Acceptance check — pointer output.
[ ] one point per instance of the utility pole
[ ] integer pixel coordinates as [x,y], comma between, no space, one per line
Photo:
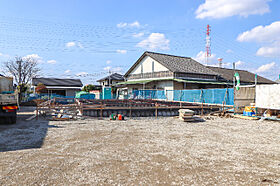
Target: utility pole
[109,83]
[233,66]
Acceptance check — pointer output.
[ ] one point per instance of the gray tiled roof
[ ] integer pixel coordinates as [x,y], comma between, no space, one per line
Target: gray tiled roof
[114,76]
[57,82]
[180,64]
[176,63]
[245,76]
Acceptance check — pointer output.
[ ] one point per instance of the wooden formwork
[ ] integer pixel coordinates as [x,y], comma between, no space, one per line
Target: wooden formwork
[128,108]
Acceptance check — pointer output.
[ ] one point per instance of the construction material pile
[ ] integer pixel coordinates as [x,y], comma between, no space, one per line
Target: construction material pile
[186,115]
[62,109]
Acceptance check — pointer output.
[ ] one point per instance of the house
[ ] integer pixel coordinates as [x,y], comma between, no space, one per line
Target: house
[63,87]
[168,72]
[246,77]
[111,80]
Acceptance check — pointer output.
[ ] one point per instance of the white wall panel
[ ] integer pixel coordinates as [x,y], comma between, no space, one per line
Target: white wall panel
[268,96]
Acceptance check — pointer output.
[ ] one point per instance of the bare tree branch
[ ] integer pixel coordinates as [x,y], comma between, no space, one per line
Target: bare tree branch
[22,69]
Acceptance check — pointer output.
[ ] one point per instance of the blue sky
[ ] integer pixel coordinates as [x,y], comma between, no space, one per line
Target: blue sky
[85,39]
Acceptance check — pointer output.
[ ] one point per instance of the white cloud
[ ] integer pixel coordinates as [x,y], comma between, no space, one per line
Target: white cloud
[140,34]
[135,24]
[273,51]
[70,44]
[121,25]
[200,57]
[67,71]
[82,74]
[269,36]
[268,33]
[117,69]
[51,61]
[107,68]
[229,51]
[108,61]
[225,8]
[239,63]
[33,56]
[122,51]
[266,67]
[155,41]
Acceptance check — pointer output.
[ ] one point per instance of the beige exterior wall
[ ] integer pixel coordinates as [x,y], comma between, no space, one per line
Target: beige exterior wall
[146,64]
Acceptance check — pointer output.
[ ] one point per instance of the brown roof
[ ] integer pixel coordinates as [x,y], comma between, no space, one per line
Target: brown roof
[245,76]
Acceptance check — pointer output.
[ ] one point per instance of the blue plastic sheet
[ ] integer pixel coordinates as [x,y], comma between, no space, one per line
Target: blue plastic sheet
[213,96]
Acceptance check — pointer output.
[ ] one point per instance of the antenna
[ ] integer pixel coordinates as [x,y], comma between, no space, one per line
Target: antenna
[208,44]
[220,62]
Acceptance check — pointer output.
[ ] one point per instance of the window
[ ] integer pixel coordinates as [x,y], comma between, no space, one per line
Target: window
[153,66]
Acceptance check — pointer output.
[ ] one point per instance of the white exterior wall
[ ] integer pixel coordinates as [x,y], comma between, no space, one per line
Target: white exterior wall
[268,96]
[146,64]
[166,85]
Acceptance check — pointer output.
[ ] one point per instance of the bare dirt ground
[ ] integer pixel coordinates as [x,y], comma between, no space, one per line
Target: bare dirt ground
[146,151]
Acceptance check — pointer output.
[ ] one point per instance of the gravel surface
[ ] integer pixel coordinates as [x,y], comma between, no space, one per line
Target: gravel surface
[144,151]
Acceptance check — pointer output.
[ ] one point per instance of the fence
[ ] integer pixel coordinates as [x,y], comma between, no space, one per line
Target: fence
[30,97]
[147,94]
[211,96]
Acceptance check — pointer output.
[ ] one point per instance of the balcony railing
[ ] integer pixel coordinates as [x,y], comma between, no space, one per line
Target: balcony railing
[151,75]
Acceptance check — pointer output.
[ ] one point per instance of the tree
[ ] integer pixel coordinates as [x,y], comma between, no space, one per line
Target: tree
[40,88]
[23,69]
[88,88]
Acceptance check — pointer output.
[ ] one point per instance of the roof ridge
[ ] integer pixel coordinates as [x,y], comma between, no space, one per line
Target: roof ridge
[56,78]
[168,54]
[229,68]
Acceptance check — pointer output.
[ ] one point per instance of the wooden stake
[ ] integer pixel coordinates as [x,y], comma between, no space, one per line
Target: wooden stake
[223,108]
[130,111]
[202,108]
[156,110]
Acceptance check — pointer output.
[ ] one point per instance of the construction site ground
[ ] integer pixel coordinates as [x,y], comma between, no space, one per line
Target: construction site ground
[140,151]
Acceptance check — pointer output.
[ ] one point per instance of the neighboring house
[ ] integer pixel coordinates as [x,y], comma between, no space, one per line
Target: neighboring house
[111,80]
[246,78]
[97,91]
[63,87]
[168,72]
